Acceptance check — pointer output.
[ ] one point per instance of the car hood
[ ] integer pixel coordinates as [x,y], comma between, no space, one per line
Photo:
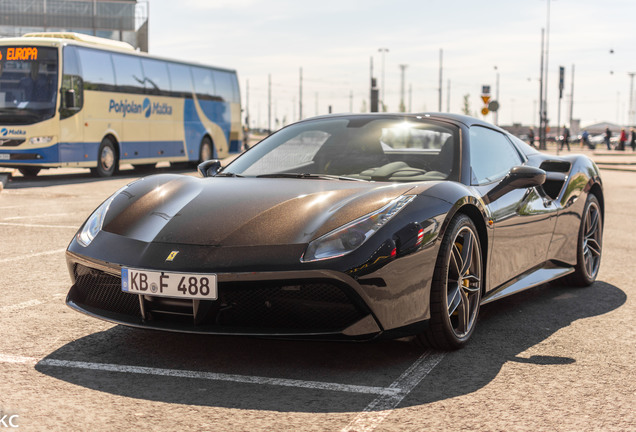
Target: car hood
[222,211]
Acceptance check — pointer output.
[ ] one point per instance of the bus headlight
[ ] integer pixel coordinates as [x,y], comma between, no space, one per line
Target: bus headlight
[41,140]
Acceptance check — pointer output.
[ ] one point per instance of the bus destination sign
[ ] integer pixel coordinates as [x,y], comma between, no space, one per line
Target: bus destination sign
[20,53]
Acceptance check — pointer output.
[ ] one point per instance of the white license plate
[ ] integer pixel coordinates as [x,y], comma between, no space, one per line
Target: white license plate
[5,156]
[165,284]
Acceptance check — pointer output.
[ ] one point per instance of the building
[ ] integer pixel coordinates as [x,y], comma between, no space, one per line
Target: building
[124,20]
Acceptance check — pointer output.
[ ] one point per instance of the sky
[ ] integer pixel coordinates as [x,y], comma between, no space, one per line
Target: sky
[335,42]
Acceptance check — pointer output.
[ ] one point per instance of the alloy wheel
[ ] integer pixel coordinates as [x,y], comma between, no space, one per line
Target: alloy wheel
[592,237]
[464,282]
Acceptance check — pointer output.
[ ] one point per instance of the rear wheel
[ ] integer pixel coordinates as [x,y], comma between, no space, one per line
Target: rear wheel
[107,160]
[589,245]
[207,150]
[456,288]
[29,171]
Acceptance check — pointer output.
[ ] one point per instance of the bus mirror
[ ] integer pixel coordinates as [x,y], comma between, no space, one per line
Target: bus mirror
[69,98]
[209,168]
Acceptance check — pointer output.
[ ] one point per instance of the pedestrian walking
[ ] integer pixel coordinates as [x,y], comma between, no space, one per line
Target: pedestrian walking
[531,137]
[585,140]
[608,137]
[622,140]
[632,139]
[566,138]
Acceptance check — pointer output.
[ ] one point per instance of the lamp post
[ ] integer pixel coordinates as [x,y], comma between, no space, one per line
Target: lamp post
[383,51]
[402,106]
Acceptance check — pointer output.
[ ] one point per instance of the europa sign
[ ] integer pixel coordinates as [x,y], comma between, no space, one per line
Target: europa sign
[20,53]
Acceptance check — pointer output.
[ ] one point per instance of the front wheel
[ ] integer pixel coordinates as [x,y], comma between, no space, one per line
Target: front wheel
[589,245]
[456,288]
[107,161]
[29,171]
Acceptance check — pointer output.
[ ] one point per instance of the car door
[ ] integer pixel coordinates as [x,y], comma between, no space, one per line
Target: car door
[522,220]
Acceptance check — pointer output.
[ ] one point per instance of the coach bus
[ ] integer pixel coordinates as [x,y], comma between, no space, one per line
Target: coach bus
[73,100]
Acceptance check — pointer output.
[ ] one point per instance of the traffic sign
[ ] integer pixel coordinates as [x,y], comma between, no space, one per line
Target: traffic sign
[484,111]
[485,98]
[493,106]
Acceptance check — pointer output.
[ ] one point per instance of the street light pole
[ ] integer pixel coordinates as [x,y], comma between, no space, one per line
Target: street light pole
[439,105]
[402,106]
[383,51]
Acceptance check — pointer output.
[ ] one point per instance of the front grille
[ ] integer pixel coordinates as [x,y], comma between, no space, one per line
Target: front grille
[317,305]
[101,290]
[251,307]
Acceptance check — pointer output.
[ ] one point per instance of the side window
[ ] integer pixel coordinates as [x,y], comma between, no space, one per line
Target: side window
[491,155]
[129,76]
[155,76]
[203,83]
[97,69]
[180,79]
[225,85]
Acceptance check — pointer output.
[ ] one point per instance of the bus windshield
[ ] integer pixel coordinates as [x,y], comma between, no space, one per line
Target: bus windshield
[28,84]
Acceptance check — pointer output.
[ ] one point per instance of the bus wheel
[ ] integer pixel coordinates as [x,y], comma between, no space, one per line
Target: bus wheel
[207,150]
[29,171]
[107,162]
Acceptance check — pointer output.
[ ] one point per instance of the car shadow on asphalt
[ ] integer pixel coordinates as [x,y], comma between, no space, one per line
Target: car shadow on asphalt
[505,331]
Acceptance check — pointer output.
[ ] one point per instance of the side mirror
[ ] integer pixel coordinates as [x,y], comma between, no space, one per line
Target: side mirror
[209,168]
[69,99]
[519,177]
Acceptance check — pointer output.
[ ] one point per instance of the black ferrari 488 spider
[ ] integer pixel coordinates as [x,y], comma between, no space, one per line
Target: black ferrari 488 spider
[343,226]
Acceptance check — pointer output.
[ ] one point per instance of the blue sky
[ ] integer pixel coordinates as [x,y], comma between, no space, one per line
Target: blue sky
[333,42]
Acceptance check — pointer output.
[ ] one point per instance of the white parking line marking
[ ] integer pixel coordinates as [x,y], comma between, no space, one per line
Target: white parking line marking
[33,255]
[75,227]
[29,303]
[383,405]
[313,385]
[35,216]
[19,306]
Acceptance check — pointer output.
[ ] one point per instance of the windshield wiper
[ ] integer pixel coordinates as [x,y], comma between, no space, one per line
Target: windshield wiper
[308,176]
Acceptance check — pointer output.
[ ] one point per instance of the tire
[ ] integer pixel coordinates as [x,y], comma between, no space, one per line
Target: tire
[107,159]
[456,288]
[30,172]
[589,245]
[206,151]
[144,167]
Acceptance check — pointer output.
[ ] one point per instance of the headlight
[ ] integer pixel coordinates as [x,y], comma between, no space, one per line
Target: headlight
[41,140]
[95,222]
[349,237]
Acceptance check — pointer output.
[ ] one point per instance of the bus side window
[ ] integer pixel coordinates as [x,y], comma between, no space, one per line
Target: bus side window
[156,77]
[97,69]
[72,90]
[204,83]
[224,86]
[180,80]
[128,73]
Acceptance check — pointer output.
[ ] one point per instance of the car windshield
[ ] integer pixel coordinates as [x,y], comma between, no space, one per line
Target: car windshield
[28,84]
[372,148]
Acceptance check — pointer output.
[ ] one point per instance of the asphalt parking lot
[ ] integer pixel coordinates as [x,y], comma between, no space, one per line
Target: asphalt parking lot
[553,358]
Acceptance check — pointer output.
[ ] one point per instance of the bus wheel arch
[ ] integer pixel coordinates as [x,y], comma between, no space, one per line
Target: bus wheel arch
[107,157]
